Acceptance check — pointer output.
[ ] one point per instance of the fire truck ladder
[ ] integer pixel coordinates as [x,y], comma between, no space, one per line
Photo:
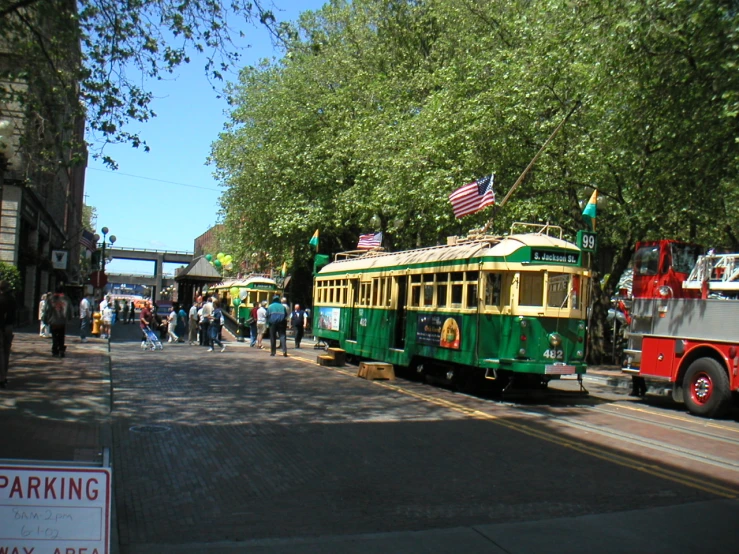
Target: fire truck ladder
[719,271]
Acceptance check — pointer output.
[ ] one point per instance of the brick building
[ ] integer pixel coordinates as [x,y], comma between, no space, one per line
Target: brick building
[42,172]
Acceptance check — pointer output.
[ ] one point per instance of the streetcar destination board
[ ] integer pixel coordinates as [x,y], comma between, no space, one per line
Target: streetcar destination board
[550,257]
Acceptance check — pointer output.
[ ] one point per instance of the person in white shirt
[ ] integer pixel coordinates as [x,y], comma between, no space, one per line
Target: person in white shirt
[193,324]
[172,325]
[44,331]
[261,323]
[107,321]
[205,315]
[85,318]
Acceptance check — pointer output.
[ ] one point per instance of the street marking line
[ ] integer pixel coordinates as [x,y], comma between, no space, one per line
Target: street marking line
[612,457]
[678,418]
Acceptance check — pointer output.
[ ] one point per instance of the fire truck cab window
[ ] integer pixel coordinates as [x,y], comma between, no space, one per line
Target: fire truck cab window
[646,260]
[684,257]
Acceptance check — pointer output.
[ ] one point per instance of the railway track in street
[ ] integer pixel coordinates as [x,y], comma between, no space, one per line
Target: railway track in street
[696,452]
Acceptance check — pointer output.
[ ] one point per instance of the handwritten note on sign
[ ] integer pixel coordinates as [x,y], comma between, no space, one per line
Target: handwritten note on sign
[49,510]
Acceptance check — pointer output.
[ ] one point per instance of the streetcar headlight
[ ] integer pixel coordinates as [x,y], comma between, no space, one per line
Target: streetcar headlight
[522,352]
[523,323]
[581,326]
[555,339]
[579,354]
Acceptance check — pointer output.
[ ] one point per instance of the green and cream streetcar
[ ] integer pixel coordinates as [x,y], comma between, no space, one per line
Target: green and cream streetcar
[510,309]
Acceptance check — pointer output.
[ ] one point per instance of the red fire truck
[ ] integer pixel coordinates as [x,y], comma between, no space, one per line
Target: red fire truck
[685,323]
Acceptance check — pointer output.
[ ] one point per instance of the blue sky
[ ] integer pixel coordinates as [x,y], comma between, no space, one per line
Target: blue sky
[164,199]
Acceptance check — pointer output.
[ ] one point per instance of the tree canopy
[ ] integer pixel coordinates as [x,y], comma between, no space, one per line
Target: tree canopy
[94,57]
[379,109]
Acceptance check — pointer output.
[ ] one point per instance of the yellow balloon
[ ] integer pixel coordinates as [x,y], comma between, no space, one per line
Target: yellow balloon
[220,255]
[234,291]
[228,259]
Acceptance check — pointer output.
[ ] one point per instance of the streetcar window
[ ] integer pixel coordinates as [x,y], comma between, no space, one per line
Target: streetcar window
[375,291]
[415,295]
[442,277]
[416,278]
[457,290]
[557,287]
[388,291]
[441,290]
[473,275]
[531,289]
[428,294]
[457,276]
[428,278]
[472,295]
[493,286]
[646,260]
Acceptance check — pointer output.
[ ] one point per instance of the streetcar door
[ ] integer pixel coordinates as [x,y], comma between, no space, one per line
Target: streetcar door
[400,313]
[353,301]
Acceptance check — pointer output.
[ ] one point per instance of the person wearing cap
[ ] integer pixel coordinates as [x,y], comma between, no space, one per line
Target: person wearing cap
[277,319]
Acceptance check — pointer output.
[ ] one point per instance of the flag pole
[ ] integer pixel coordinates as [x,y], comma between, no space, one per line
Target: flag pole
[528,167]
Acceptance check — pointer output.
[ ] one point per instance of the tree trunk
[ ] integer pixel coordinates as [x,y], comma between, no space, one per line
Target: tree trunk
[598,328]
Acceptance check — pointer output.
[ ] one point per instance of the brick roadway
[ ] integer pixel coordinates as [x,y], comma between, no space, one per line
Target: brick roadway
[214,447]
[54,409]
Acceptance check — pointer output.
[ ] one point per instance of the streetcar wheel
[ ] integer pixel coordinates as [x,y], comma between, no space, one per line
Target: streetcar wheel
[706,388]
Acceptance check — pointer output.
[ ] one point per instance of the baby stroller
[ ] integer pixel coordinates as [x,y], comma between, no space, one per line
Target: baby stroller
[152,341]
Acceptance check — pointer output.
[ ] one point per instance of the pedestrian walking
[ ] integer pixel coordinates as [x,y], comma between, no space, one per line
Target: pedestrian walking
[277,319]
[124,314]
[44,330]
[261,323]
[194,323]
[205,316]
[8,307]
[58,314]
[146,318]
[85,318]
[181,329]
[214,329]
[116,311]
[253,316]
[297,321]
[172,325]
[106,319]
[131,312]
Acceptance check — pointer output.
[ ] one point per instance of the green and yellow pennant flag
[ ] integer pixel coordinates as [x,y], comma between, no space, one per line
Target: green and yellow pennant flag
[588,214]
[283,272]
[314,240]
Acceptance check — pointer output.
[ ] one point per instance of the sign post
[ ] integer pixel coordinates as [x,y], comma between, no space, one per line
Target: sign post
[50,510]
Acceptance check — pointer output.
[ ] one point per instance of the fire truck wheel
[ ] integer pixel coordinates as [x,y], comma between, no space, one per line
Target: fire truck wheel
[706,387]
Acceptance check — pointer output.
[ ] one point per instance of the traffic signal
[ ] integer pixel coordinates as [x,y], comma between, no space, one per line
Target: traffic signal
[95,260]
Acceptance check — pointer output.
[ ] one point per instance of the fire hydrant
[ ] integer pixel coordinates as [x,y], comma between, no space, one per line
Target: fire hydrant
[96,319]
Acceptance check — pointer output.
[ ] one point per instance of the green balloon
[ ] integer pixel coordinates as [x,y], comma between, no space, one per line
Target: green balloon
[208,257]
[217,263]
[236,301]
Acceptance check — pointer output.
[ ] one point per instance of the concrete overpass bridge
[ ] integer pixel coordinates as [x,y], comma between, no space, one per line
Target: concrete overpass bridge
[156,282]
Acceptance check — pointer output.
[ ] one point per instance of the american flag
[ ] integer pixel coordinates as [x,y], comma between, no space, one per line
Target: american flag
[88,240]
[369,241]
[473,197]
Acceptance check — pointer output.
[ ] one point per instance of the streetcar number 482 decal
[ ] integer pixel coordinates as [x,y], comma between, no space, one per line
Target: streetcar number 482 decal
[553,354]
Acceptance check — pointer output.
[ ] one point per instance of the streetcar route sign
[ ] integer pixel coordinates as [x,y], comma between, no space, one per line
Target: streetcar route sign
[54,510]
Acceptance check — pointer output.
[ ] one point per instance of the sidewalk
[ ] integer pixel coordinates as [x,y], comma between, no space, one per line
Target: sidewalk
[55,409]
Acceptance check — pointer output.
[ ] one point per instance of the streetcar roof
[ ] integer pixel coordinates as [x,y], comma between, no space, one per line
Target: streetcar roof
[499,247]
[252,279]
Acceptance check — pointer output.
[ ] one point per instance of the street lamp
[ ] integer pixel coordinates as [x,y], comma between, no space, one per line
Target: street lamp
[105,231]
